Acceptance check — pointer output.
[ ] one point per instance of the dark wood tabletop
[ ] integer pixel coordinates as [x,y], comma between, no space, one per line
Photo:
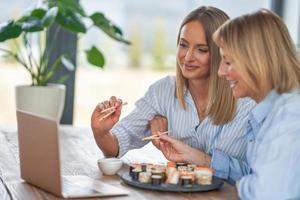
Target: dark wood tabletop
[79,155]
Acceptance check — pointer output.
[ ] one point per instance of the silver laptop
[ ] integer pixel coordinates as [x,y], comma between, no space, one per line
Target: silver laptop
[40,163]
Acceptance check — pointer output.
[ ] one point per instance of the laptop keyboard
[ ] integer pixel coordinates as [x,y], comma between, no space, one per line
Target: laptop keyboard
[74,189]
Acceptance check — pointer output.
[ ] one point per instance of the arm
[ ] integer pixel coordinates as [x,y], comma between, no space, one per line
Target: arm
[225,166]
[105,140]
[176,151]
[115,139]
[131,129]
[173,149]
[228,167]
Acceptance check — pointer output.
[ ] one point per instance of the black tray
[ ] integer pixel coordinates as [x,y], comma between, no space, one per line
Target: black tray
[216,184]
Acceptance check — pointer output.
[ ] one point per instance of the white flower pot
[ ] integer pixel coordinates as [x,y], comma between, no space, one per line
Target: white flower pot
[47,101]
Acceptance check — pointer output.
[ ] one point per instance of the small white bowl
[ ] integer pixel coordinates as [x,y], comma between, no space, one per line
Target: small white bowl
[109,166]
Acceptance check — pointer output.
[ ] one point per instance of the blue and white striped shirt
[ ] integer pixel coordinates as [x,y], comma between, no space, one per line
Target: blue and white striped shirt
[160,99]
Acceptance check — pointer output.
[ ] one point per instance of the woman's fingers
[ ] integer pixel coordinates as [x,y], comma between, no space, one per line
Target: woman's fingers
[167,138]
[155,142]
[109,109]
[158,123]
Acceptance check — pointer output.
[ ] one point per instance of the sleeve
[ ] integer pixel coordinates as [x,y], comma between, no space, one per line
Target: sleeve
[276,170]
[227,167]
[229,154]
[132,128]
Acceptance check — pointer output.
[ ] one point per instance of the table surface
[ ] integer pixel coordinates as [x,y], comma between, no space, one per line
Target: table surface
[79,155]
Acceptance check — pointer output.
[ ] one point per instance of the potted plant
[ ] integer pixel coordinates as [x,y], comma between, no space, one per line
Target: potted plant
[31,28]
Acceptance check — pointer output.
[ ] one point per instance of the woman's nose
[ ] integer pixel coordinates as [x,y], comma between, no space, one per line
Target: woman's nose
[189,55]
[223,70]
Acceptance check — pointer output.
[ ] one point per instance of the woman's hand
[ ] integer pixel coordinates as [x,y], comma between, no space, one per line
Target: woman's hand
[177,151]
[158,124]
[174,150]
[102,122]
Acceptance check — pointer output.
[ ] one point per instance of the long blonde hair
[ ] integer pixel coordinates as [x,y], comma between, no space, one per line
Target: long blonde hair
[222,105]
[263,51]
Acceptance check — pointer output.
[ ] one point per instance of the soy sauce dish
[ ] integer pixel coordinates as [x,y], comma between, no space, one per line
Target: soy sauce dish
[109,166]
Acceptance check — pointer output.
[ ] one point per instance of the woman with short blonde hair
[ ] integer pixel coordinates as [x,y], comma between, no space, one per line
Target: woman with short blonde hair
[260,61]
[265,55]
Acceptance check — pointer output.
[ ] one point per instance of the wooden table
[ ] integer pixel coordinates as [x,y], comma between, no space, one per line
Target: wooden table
[79,154]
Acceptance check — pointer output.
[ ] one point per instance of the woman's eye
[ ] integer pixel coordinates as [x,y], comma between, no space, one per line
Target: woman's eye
[183,45]
[203,50]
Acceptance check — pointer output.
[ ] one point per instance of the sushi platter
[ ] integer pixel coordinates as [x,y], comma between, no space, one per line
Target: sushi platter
[173,177]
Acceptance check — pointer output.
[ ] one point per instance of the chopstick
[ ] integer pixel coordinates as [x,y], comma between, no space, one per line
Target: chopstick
[105,116]
[112,108]
[153,137]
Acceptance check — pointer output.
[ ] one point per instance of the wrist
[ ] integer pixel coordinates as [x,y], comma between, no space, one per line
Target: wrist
[109,145]
[100,132]
[199,158]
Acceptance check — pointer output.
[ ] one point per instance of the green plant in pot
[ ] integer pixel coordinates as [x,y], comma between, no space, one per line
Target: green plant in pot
[30,30]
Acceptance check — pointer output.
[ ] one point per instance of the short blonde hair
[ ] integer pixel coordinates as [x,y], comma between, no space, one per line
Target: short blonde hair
[263,51]
[222,105]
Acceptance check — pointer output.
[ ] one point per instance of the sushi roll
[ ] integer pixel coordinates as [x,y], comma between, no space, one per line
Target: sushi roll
[204,175]
[156,179]
[144,167]
[173,176]
[160,173]
[171,164]
[149,167]
[188,173]
[169,170]
[135,174]
[133,166]
[182,168]
[170,167]
[144,177]
[191,167]
[181,164]
[186,181]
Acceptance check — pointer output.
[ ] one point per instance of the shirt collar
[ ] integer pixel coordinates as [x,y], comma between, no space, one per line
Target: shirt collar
[188,97]
[261,110]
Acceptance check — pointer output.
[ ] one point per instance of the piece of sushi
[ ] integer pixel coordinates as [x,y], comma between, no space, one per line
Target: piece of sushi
[204,175]
[173,176]
[156,180]
[144,177]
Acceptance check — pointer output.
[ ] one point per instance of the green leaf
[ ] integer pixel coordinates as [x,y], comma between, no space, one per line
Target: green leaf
[32,24]
[71,21]
[36,13]
[62,79]
[117,30]
[56,65]
[95,57]
[48,76]
[9,30]
[49,17]
[71,5]
[67,63]
[108,27]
